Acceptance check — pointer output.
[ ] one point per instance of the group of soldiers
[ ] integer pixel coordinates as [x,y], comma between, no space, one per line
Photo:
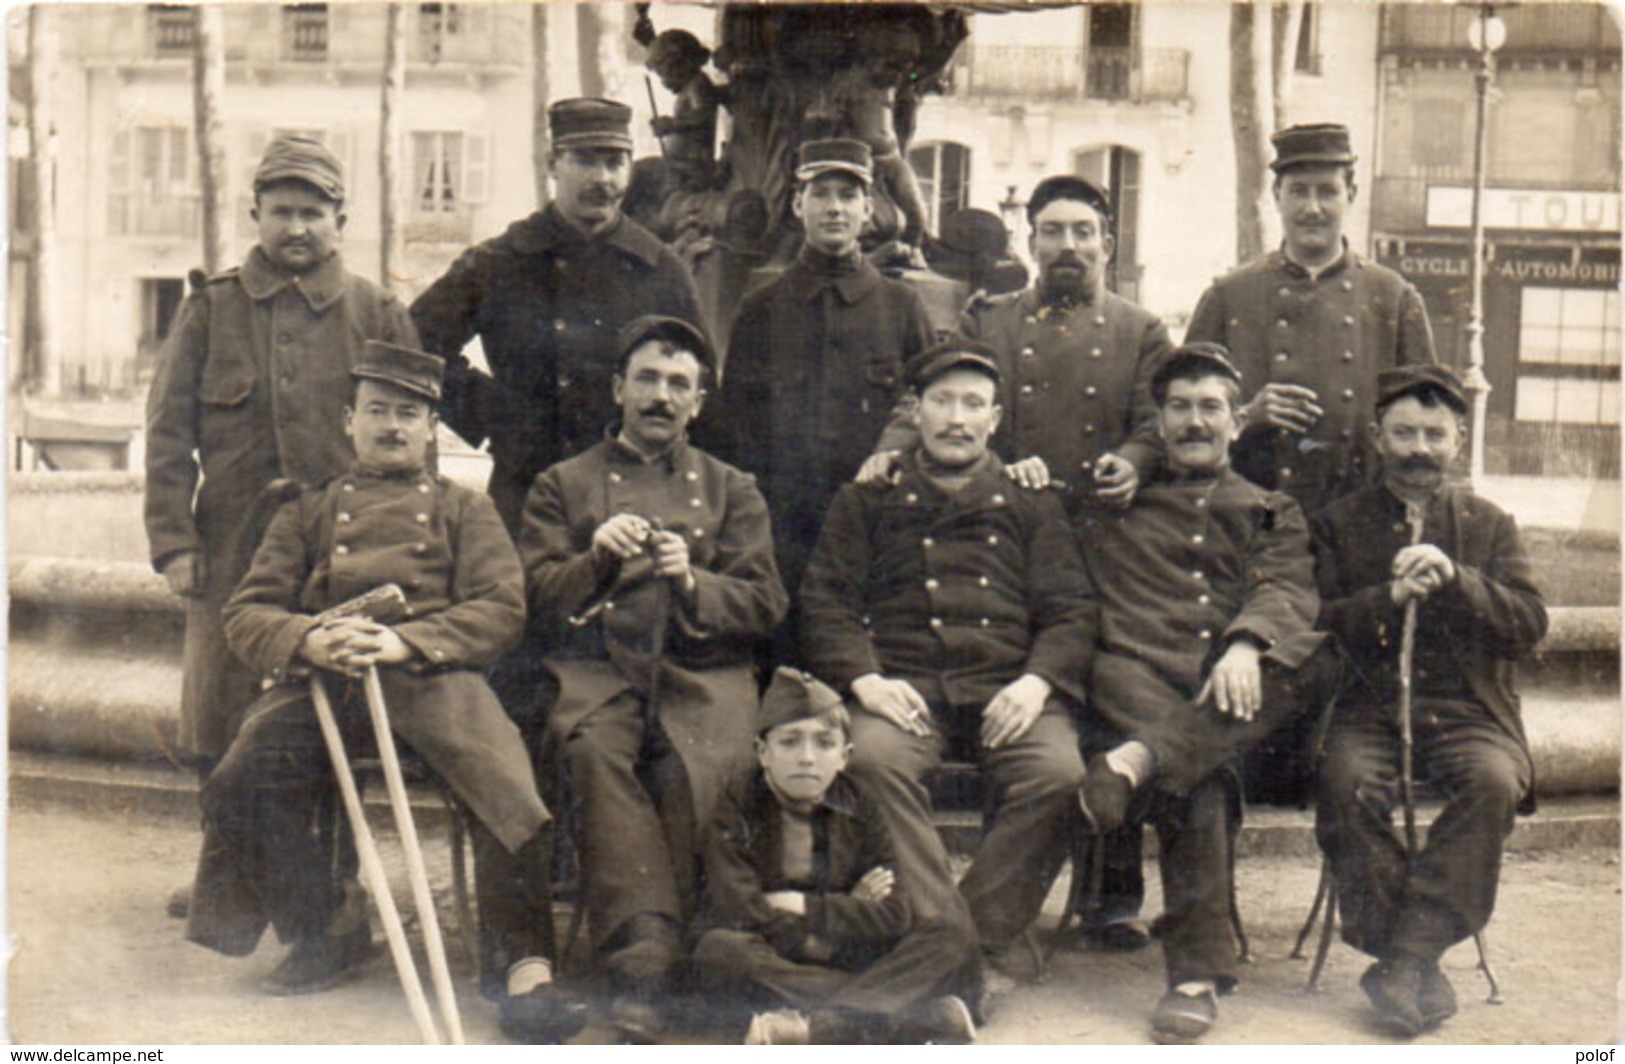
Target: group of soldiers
[1117,574]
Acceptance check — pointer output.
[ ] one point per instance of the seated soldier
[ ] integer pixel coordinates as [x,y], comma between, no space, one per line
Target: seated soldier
[651,563]
[1207,601]
[1477,613]
[803,906]
[951,605]
[388,520]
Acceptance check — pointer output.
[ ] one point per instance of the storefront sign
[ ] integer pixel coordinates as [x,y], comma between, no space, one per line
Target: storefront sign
[1519,265]
[1555,210]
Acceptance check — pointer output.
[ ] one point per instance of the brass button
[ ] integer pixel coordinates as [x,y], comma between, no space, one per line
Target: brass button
[696,503]
[1197,574]
[1347,286]
[1287,473]
[928,543]
[423,488]
[1201,502]
[1348,393]
[1027,352]
[614,478]
[911,498]
[1095,352]
[1089,391]
[1206,633]
[691,476]
[1100,319]
[699,533]
[341,550]
[1285,291]
[936,622]
[1348,356]
[1348,319]
[1089,428]
[998,500]
[984,622]
[1026,389]
[932,584]
[423,519]
[1198,539]
[344,518]
[1204,599]
[993,541]
[348,486]
[421,548]
[1281,323]
[1281,356]
[981,581]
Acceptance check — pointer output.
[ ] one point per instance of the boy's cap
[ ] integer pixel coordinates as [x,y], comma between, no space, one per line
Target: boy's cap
[414,371]
[1317,144]
[847,156]
[794,695]
[679,333]
[955,352]
[297,158]
[1396,383]
[590,122]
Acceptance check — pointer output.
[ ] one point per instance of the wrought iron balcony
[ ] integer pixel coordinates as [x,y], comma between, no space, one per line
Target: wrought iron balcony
[1037,71]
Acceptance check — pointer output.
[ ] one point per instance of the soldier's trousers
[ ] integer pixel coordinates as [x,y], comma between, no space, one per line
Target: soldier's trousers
[1033,783]
[932,958]
[1420,907]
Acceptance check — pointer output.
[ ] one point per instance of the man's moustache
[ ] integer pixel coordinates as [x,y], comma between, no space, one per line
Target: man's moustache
[658,410]
[1417,463]
[1194,437]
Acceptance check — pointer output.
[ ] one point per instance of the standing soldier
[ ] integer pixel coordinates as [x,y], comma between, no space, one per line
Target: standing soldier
[251,387]
[547,299]
[815,364]
[1310,326]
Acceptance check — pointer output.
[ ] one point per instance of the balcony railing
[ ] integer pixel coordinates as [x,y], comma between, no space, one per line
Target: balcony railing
[173,30]
[304,32]
[1070,72]
[144,214]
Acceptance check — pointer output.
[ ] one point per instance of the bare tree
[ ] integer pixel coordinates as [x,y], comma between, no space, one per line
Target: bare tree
[208,86]
[389,164]
[601,41]
[541,91]
[1285,26]
[1251,120]
[43,374]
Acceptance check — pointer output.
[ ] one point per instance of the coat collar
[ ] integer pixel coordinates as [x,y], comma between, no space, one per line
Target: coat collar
[546,230]
[621,453]
[320,288]
[803,280]
[988,487]
[1348,261]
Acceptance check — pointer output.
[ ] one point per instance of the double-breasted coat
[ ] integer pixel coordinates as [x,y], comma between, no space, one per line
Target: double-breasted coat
[1196,563]
[1077,381]
[547,304]
[1333,332]
[251,387]
[600,617]
[814,374]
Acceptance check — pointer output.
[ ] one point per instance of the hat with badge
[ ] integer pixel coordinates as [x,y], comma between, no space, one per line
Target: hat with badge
[406,368]
[1199,359]
[590,122]
[1068,187]
[1316,144]
[838,155]
[681,334]
[301,158]
[794,695]
[953,352]
[1421,381]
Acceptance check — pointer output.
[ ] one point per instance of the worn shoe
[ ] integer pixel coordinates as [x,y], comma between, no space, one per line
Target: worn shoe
[941,1021]
[544,1016]
[786,1027]
[1180,1019]
[1437,998]
[1120,936]
[179,902]
[1395,989]
[1104,797]
[319,962]
[638,1021]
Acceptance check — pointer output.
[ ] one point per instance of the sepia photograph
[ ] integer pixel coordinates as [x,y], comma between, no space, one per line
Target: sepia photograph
[758,522]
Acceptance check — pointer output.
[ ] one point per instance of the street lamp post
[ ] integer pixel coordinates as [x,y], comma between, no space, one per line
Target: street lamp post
[1485,34]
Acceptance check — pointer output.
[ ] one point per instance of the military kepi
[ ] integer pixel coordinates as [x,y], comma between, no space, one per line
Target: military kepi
[590,122]
[1319,144]
[1421,380]
[1067,187]
[684,335]
[954,352]
[838,155]
[298,158]
[794,695]
[1200,357]
[406,368]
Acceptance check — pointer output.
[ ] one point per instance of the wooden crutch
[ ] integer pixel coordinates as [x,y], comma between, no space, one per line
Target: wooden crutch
[1407,652]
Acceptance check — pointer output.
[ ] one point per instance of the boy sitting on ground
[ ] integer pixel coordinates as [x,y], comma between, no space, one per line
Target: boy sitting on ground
[803,907]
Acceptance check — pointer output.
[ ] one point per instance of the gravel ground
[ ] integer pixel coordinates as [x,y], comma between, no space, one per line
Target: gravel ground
[95,960]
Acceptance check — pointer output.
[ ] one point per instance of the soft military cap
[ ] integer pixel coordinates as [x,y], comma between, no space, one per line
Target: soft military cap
[1202,357]
[955,352]
[1419,380]
[297,158]
[1319,144]
[794,695]
[590,122]
[839,155]
[679,333]
[1068,187]
[406,368]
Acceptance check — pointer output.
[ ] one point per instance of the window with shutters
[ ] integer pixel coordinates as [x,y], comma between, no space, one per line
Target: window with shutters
[171,30]
[943,170]
[304,32]
[152,185]
[448,178]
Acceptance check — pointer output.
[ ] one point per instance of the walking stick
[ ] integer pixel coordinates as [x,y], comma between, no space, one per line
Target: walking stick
[1407,651]
[416,873]
[372,868]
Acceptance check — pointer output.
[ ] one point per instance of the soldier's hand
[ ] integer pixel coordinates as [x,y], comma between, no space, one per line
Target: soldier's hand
[1425,565]
[893,700]
[1284,406]
[1116,480]
[787,901]
[1029,473]
[670,553]
[622,536]
[370,644]
[1235,684]
[182,575]
[878,468]
[1013,710]
[322,645]
[876,884]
